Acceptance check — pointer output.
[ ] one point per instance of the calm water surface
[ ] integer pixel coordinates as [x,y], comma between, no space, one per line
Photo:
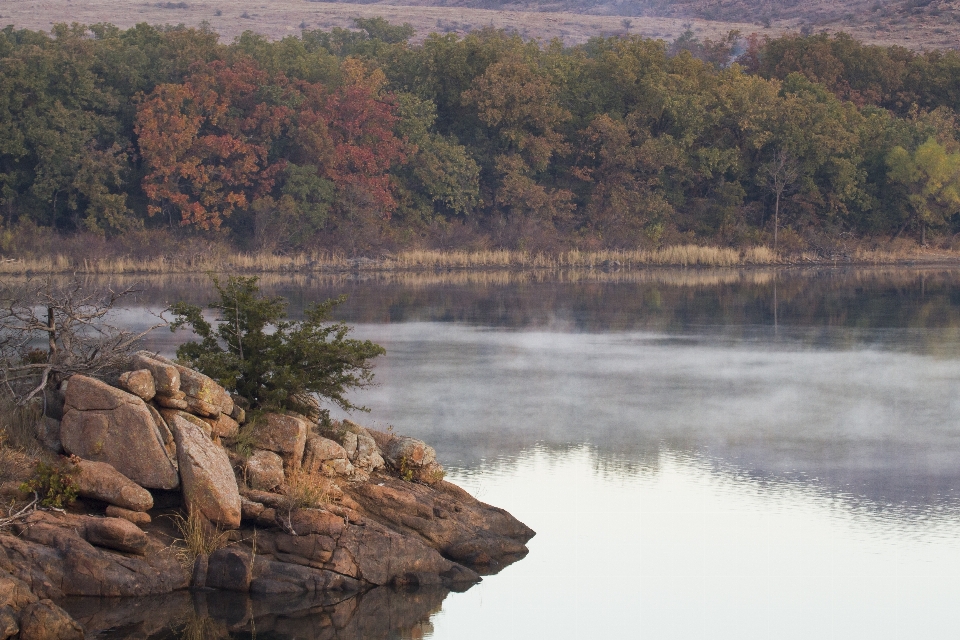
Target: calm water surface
[702,454]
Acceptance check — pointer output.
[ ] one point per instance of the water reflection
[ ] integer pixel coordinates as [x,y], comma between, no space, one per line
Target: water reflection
[381,613]
[733,454]
[687,552]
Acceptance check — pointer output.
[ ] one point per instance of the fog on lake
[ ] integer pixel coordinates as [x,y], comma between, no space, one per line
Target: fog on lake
[732,454]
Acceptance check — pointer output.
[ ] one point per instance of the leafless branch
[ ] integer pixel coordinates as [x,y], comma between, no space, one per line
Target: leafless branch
[72,322]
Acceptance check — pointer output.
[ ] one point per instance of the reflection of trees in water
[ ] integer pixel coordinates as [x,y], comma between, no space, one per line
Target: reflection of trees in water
[662,299]
[879,497]
[380,613]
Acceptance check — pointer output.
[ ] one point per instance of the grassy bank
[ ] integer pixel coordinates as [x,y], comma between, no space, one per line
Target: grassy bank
[423,260]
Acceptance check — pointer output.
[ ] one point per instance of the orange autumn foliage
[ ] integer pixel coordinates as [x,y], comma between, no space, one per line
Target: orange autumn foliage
[206,142]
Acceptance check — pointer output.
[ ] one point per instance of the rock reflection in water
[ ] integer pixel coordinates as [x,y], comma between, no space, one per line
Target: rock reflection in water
[384,612]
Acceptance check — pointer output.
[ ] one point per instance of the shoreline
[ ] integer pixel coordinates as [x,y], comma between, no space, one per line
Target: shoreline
[679,256]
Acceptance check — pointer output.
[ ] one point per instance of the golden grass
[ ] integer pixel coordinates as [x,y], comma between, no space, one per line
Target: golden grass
[422,260]
[199,537]
[304,490]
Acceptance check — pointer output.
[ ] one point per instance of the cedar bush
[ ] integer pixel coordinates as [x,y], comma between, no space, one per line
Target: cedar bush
[272,362]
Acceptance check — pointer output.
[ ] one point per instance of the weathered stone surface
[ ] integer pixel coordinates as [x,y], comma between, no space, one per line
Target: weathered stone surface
[171,414]
[413,451]
[282,434]
[209,485]
[223,426]
[166,436]
[230,569]
[250,510]
[371,553]
[138,518]
[316,521]
[47,552]
[264,470]
[104,424]
[446,518]
[139,383]
[195,384]
[322,455]
[362,451]
[89,394]
[165,375]
[172,403]
[200,408]
[9,623]
[270,576]
[238,414]
[44,620]
[100,481]
[15,593]
[115,533]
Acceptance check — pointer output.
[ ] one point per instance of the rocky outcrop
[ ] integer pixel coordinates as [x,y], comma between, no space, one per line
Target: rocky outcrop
[50,553]
[209,486]
[104,424]
[336,512]
[44,620]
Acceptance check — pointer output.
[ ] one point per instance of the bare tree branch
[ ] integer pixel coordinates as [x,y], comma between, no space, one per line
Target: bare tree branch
[73,322]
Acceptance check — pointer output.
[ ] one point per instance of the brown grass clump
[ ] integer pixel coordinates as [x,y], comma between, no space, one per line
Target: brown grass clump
[305,490]
[199,537]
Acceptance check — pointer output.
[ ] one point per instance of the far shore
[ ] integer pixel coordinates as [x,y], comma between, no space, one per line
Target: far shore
[490,260]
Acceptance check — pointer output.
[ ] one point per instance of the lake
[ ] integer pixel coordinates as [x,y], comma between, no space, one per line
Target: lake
[724,454]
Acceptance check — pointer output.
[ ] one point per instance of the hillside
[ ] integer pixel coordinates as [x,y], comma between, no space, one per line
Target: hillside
[917,24]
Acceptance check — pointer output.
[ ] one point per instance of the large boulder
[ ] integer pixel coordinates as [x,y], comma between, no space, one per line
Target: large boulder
[115,533]
[165,375]
[264,470]
[322,455]
[100,481]
[230,569]
[105,424]
[209,485]
[285,435]
[413,459]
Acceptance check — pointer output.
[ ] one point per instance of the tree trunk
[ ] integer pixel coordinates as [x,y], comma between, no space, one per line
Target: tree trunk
[776,222]
[51,332]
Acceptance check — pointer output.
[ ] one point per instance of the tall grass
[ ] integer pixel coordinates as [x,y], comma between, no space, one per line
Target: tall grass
[688,255]
[198,537]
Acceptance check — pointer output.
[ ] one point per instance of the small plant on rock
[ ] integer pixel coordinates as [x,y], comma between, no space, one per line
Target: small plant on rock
[55,485]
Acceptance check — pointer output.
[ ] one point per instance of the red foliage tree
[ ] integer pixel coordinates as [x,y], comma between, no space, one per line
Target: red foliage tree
[206,142]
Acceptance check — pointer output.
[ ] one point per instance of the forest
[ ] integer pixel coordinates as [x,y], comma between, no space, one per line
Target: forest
[362,142]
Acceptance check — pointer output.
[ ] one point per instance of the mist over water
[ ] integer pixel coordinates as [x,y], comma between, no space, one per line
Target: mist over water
[746,456]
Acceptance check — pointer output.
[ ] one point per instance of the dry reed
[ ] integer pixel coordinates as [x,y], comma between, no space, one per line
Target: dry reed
[422,260]
[199,537]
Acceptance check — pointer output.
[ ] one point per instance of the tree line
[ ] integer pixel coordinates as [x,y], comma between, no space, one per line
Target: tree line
[361,141]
